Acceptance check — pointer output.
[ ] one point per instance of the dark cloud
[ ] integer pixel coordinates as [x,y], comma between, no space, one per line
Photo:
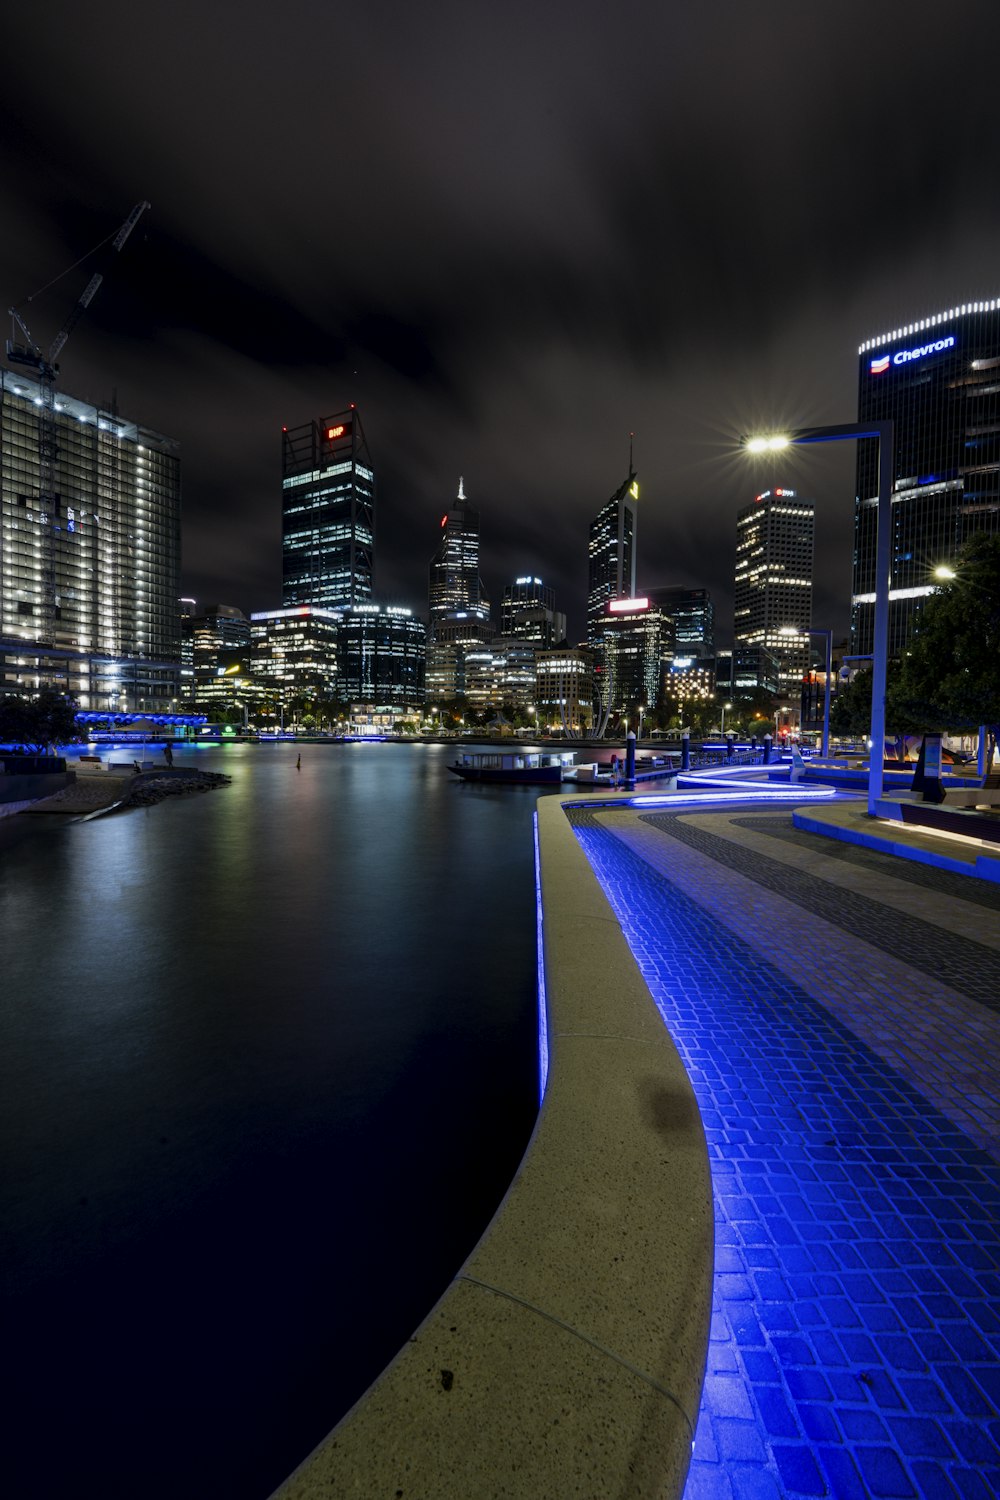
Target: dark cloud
[511,234]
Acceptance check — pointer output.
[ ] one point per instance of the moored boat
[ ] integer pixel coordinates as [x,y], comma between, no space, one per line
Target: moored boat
[515,767]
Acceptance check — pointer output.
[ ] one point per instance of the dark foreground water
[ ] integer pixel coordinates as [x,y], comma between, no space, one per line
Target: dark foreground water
[268,1064]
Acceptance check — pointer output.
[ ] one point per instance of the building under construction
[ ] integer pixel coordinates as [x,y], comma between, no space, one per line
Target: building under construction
[89,541]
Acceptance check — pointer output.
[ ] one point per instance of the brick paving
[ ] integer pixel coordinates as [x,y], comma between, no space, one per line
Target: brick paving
[849,1087]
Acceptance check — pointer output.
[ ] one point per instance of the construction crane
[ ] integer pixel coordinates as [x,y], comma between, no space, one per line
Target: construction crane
[29,352]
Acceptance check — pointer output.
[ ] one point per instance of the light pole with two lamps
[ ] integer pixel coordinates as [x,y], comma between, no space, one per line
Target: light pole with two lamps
[884,433]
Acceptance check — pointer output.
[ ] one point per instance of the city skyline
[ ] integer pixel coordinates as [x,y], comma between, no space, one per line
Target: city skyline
[684,226]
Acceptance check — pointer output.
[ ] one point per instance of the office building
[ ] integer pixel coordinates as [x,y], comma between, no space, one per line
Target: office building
[686,683]
[693,617]
[217,638]
[637,640]
[294,655]
[564,689]
[327,513]
[449,641]
[528,613]
[611,556]
[89,552]
[937,380]
[455,587]
[774,581]
[381,656]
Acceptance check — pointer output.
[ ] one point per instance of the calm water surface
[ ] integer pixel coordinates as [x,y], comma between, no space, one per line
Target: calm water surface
[268,1066]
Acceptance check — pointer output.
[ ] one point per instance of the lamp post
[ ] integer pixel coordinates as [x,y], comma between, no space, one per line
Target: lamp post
[828,635]
[885,434]
[722,726]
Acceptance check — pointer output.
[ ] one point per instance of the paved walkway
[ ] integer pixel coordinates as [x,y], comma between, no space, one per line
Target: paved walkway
[838,1011]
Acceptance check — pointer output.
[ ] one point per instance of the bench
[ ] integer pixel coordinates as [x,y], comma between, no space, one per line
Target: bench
[89,760]
[987,795]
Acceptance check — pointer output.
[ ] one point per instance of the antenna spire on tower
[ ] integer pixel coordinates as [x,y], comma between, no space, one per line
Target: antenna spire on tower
[630,437]
[461,491]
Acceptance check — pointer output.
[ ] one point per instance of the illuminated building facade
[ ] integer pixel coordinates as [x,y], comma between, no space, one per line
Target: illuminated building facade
[564,689]
[451,638]
[294,654]
[501,674]
[218,639]
[454,584]
[327,513]
[693,617]
[89,552]
[382,655]
[686,682]
[938,380]
[637,639]
[611,558]
[774,580]
[529,613]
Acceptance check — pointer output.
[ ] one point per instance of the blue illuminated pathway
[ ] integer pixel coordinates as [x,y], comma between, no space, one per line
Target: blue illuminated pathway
[837,1012]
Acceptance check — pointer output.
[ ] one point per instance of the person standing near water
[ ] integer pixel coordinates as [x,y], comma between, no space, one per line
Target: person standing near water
[298,763]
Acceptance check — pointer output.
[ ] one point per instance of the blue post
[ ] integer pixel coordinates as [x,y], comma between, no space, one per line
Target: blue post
[630,759]
[767,749]
[685,751]
[730,742]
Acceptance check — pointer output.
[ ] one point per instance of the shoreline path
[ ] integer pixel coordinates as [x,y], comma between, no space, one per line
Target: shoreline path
[838,1011]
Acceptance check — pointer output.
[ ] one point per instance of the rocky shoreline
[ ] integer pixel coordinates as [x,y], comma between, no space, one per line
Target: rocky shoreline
[98,792]
[149,788]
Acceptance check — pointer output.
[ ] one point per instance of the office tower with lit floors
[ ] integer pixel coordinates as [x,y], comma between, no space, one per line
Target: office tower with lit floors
[611,557]
[89,552]
[454,584]
[938,380]
[774,582]
[327,513]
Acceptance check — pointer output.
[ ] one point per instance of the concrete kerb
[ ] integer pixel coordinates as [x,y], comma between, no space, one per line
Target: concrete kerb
[568,1353]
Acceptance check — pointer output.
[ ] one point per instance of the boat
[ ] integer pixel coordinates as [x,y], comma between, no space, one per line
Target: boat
[514,767]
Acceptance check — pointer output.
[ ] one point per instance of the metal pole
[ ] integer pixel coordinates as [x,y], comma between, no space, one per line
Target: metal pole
[826,696]
[880,641]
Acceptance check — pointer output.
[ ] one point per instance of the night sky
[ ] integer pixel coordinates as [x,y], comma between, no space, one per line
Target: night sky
[512,234]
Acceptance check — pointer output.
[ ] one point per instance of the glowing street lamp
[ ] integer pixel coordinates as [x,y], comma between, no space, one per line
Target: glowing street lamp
[885,434]
[722,726]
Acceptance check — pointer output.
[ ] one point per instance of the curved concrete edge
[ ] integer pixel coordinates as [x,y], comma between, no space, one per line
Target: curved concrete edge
[567,1356]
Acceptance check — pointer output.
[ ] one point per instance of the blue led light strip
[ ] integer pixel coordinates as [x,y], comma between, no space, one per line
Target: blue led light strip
[543,1009]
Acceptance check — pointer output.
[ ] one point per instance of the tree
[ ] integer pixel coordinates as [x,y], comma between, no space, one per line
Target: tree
[38,722]
[950,677]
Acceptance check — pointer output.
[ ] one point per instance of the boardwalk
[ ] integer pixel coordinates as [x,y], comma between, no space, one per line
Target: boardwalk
[837,1011]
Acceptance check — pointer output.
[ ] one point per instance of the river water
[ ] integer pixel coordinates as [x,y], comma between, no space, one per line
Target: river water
[268,1065]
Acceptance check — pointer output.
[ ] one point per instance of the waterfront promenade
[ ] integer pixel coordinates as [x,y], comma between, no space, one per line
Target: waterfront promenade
[837,1012]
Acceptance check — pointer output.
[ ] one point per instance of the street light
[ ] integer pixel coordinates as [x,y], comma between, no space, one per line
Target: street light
[722,726]
[885,434]
[828,635]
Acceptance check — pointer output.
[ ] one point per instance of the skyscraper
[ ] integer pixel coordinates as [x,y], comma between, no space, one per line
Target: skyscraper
[89,552]
[528,613]
[937,380]
[611,554]
[327,513]
[774,577]
[693,615]
[455,584]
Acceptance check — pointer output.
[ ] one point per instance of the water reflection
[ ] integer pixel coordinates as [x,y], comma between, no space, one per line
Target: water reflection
[265,1049]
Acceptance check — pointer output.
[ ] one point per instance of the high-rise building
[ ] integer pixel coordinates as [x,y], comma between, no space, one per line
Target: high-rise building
[937,380]
[89,552]
[294,654]
[637,641]
[528,613]
[774,580]
[455,584]
[327,513]
[611,553]
[219,637]
[693,616]
[381,656]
